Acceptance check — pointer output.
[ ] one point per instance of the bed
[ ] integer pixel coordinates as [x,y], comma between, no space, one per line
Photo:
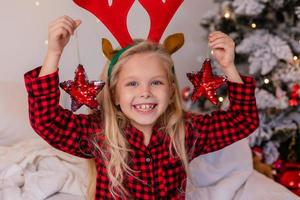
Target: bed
[30,169]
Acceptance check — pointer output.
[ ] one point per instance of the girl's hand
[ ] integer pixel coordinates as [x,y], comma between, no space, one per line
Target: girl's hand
[59,33]
[222,49]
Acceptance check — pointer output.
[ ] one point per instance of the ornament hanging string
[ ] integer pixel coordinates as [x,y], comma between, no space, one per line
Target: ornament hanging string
[209,53]
[77,47]
[82,90]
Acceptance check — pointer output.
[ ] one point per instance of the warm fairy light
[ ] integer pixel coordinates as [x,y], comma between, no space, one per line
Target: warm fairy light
[266,81]
[221,99]
[37,3]
[295,58]
[227,15]
[46,42]
[292,183]
[253,25]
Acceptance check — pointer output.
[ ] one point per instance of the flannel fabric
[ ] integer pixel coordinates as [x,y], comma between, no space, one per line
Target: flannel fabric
[159,175]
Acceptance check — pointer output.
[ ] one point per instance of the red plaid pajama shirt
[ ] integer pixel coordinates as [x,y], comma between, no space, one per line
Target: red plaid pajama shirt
[161,175]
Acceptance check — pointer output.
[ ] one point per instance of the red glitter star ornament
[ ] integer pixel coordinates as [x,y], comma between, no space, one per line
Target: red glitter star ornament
[81,90]
[206,83]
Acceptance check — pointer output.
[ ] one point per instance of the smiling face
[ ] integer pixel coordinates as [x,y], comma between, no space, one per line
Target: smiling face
[143,90]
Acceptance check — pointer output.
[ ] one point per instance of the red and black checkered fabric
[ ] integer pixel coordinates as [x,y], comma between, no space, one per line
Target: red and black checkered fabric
[160,176]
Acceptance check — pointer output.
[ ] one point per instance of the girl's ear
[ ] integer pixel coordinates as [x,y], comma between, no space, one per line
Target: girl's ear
[173,42]
[107,49]
[172,94]
[115,99]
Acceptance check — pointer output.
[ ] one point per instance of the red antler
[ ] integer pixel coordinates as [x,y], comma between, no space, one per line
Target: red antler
[114,17]
[160,15]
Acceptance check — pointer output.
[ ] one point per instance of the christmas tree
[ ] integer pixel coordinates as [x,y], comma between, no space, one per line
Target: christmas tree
[267,38]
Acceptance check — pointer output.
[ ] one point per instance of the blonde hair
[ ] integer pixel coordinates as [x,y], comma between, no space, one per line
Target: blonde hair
[116,149]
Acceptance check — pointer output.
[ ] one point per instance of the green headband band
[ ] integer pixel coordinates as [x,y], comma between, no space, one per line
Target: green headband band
[115,59]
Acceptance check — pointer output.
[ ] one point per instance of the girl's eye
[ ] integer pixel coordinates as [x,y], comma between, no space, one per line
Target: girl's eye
[132,83]
[157,82]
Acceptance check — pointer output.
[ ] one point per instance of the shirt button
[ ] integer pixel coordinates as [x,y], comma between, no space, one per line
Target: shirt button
[149,183]
[148,160]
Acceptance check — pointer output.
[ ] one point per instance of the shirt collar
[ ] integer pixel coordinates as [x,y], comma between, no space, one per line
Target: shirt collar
[135,137]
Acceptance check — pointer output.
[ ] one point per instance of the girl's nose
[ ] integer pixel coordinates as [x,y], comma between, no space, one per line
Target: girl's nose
[146,92]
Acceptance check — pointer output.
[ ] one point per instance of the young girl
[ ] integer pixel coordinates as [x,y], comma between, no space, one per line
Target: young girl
[141,139]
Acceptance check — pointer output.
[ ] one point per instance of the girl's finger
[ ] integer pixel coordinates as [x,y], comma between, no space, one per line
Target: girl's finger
[220,40]
[213,39]
[65,20]
[68,19]
[226,41]
[77,23]
[61,31]
[212,45]
[64,25]
[217,33]
[219,46]
[71,24]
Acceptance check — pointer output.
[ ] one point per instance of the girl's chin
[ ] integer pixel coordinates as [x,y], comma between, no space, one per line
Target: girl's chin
[143,124]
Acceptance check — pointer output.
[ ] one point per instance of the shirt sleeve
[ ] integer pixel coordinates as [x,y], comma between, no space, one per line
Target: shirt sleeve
[207,133]
[64,130]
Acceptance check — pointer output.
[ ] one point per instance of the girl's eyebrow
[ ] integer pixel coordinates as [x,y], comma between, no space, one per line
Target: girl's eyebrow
[135,77]
[159,76]
[129,77]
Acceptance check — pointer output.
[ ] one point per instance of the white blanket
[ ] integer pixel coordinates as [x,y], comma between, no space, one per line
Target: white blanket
[228,175]
[33,170]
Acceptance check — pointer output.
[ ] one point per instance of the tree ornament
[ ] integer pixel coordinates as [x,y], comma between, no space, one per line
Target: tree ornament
[206,83]
[81,90]
[294,97]
[289,176]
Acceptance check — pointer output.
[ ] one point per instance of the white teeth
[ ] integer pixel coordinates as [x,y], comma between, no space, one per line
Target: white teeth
[144,107]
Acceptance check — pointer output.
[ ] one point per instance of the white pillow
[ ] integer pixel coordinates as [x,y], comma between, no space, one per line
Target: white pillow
[218,175]
[14,120]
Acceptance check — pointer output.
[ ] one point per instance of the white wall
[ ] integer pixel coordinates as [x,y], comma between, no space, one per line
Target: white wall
[24,31]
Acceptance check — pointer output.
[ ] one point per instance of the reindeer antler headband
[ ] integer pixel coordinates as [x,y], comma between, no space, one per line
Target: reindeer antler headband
[114,17]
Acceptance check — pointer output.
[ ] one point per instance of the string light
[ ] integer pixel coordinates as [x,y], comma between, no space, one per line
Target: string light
[295,58]
[266,81]
[37,3]
[292,183]
[221,99]
[253,25]
[227,15]
[46,42]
